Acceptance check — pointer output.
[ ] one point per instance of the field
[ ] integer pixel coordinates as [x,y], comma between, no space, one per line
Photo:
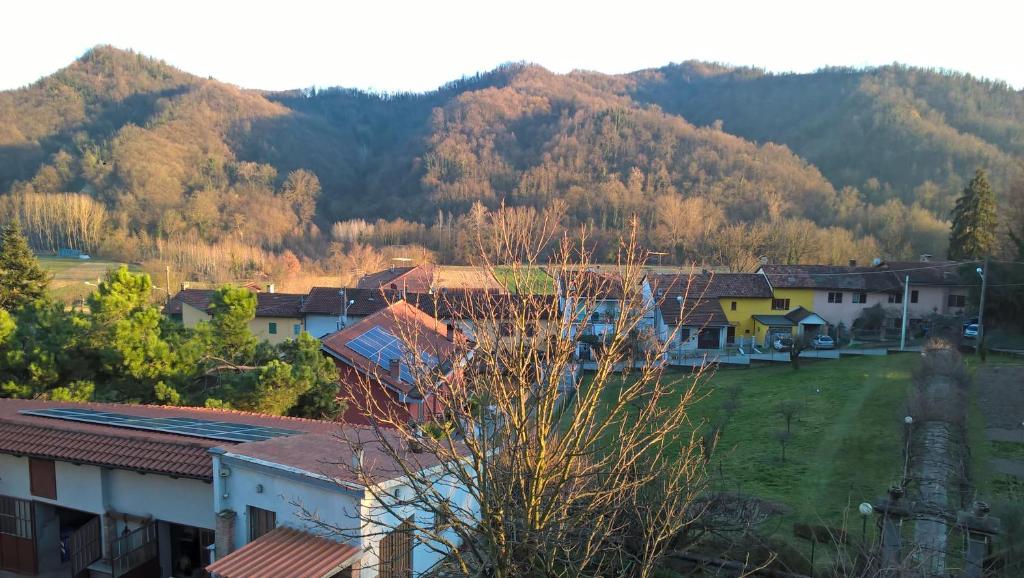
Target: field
[846,437]
[70,276]
[537,281]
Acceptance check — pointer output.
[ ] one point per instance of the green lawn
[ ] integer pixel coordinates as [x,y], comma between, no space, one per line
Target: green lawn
[846,439]
[70,275]
[537,281]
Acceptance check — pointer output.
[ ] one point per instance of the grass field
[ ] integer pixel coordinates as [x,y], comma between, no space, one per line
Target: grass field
[538,281]
[70,276]
[846,438]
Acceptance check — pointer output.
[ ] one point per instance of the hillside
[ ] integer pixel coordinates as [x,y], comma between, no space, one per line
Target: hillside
[893,131]
[165,155]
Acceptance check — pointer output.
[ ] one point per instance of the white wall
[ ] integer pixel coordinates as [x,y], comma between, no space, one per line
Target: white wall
[241,489]
[847,311]
[78,487]
[179,500]
[320,325]
[282,491]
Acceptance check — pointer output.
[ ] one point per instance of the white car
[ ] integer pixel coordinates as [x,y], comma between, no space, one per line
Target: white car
[971,330]
[822,342]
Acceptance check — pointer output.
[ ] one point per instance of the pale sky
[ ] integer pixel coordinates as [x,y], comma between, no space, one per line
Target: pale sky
[417,45]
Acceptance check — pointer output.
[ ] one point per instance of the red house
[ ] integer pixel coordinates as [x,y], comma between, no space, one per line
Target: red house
[380,358]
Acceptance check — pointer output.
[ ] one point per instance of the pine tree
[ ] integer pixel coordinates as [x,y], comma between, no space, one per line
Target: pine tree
[22,280]
[973,234]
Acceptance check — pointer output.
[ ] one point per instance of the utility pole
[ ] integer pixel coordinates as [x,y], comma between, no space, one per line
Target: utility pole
[981,306]
[906,302]
[167,282]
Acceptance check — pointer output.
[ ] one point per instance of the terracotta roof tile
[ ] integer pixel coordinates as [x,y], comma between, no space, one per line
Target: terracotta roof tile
[286,553]
[267,304]
[869,279]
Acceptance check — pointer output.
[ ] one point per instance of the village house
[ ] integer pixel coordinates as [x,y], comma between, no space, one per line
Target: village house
[935,287]
[279,316]
[112,490]
[834,294]
[383,354]
[427,278]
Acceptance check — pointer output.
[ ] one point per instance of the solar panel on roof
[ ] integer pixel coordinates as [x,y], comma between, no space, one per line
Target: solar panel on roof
[380,347]
[186,426]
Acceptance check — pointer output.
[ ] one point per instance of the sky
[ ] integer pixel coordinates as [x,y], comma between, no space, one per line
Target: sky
[391,45]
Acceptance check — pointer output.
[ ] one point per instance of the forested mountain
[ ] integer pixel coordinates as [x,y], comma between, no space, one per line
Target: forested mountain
[891,131]
[827,166]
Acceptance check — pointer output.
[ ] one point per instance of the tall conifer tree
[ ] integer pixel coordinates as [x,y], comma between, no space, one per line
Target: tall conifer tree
[973,235]
[22,280]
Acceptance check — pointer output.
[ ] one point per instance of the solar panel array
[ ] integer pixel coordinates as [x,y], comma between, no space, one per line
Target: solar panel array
[186,426]
[380,347]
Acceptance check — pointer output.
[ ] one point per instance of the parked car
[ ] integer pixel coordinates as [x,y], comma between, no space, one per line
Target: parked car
[971,330]
[822,342]
[783,343]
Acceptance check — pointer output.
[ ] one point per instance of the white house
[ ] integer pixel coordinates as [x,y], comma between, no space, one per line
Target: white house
[112,490]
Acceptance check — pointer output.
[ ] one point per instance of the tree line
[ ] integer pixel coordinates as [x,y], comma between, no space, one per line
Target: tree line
[121,348]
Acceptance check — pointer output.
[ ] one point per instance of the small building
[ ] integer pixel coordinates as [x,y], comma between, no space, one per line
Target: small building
[427,278]
[935,287]
[381,355]
[115,490]
[839,294]
[739,295]
[279,316]
[692,324]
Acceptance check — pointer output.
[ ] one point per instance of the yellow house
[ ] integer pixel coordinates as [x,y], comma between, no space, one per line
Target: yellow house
[278,315]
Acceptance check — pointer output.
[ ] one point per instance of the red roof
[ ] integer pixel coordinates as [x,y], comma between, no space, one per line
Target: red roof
[116,447]
[424,334]
[286,553]
[416,278]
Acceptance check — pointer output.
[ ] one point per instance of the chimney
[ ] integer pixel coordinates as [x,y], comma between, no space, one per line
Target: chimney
[395,368]
[450,332]
[853,262]
[270,288]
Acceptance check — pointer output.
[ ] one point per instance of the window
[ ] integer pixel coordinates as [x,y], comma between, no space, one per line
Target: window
[42,478]
[780,304]
[273,328]
[913,296]
[260,521]
[297,328]
[684,334]
[835,296]
[956,300]
[859,298]
[733,306]
[395,552]
[895,298]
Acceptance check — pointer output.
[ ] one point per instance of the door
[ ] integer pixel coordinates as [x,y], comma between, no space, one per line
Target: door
[17,536]
[708,338]
[85,546]
[396,552]
[136,554]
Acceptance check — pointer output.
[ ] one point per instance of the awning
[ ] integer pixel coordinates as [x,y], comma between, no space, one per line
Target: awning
[286,553]
[774,320]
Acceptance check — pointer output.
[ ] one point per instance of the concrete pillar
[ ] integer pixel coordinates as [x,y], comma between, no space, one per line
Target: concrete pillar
[974,558]
[224,533]
[110,534]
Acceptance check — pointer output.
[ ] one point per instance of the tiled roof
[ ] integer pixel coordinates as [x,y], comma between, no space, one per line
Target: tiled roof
[739,285]
[330,455]
[426,334]
[591,284]
[418,279]
[697,312]
[943,273]
[139,450]
[710,285]
[868,279]
[286,553]
[442,304]
[279,304]
[267,304]
[198,298]
[774,320]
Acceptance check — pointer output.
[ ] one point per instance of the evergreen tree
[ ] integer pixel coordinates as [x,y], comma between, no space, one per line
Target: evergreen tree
[232,309]
[22,280]
[973,234]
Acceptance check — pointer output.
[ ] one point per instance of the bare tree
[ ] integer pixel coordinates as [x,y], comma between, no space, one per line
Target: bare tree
[788,409]
[562,477]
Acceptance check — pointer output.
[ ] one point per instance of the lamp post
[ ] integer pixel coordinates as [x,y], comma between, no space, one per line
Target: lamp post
[983,273]
[865,509]
[909,421]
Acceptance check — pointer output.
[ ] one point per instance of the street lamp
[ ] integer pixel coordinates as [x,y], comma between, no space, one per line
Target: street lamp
[865,509]
[983,273]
